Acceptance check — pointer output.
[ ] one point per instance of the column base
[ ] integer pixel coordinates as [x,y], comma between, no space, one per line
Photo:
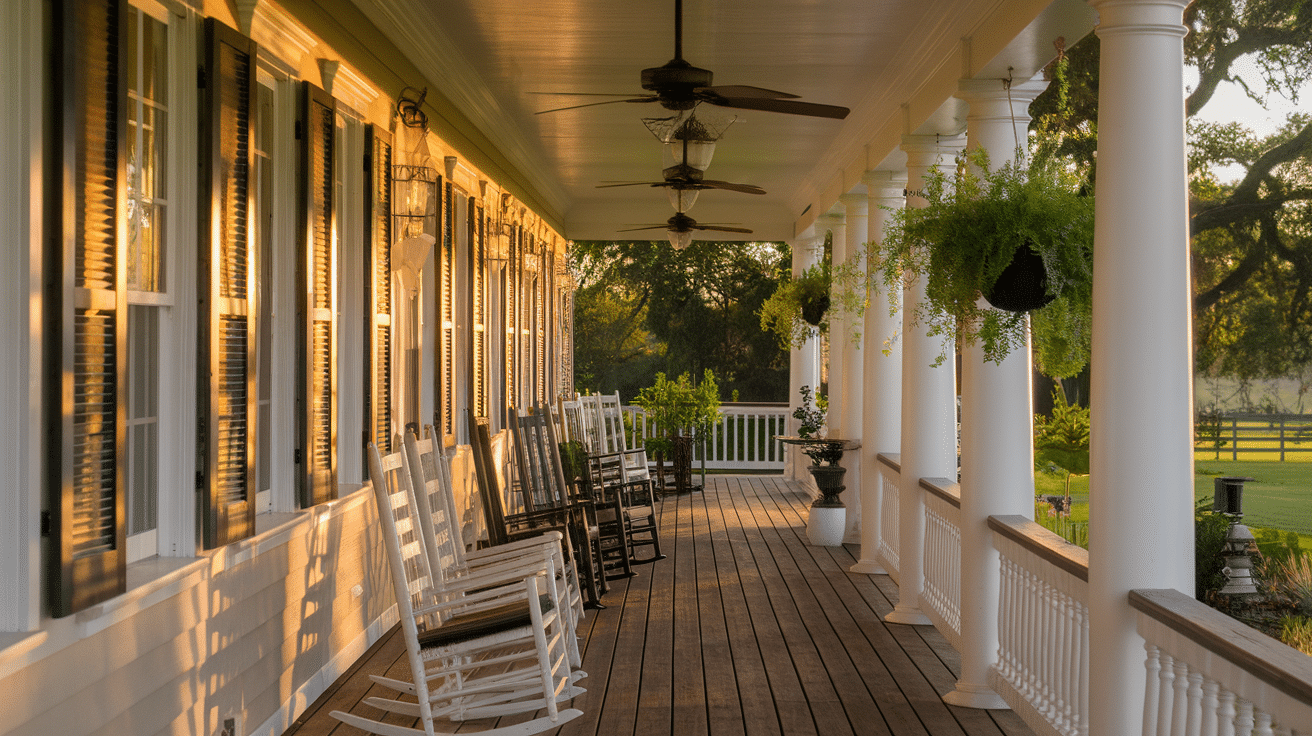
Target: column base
[824,528]
[912,616]
[975,696]
[868,567]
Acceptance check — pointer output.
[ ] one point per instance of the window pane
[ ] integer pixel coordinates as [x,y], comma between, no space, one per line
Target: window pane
[143,418]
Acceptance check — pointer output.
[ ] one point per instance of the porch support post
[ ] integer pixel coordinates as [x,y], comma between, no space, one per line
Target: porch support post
[997,421]
[834,223]
[856,213]
[804,362]
[1141,393]
[881,406]
[929,407]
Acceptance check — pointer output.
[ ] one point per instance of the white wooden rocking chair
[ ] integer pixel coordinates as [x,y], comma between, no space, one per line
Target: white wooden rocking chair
[496,651]
[430,478]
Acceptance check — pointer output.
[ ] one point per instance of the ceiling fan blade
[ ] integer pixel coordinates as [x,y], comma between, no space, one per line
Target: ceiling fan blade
[588,94]
[594,104]
[743,90]
[662,226]
[632,184]
[789,107]
[744,188]
[721,228]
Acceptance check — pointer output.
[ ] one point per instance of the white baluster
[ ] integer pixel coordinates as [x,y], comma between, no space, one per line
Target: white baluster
[1084,671]
[1152,690]
[1244,718]
[1194,719]
[1210,707]
[1180,699]
[1007,622]
[1263,727]
[1225,714]
[1165,695]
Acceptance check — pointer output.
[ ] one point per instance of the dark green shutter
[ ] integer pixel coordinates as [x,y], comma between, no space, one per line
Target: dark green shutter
[316,450]
[86,303]
[378,290]
[445,375]
[225,389]
[478,383]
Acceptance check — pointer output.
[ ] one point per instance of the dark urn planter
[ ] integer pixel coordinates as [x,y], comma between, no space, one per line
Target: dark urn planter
[1023,284]
[681,458]
[829,479]
[813,310]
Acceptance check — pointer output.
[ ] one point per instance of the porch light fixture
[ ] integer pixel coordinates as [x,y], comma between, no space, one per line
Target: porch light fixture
[409,109]
[682,200]
[687,138]
[680,240]
[413,200]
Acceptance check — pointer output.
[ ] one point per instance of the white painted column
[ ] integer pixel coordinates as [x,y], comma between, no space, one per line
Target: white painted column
[836,225]
[997,421]
[856,214]
[929,405]
[881,405]
[804,362]
[1141,394]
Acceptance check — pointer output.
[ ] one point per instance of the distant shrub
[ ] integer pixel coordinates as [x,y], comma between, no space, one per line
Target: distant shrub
[1209,542]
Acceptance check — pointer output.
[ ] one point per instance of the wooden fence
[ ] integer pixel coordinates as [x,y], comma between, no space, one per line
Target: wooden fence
[1236,434]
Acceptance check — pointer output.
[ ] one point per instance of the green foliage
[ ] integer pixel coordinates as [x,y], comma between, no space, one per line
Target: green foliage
[1296,631]
[1209,542]
[968,234]
[1293,577]
[1063,438]
[698,311]
[1277,547]
[1061,524]
[1207,431]
[679,408]
[812,418]
[786,312]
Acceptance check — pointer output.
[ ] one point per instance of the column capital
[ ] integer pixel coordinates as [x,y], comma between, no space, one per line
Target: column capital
[976,91]
[855,204]
[1140,16]
[885,184]
[829,220]
[924,151]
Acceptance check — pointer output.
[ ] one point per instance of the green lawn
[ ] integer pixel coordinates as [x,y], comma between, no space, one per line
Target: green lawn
[1280,498]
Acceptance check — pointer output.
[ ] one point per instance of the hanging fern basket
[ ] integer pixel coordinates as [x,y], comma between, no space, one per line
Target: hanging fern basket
[1023,284]
[813,309]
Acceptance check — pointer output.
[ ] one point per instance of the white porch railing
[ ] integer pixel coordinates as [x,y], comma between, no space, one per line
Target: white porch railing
[942,588]
[1043,627]
[743,439]
[1210,675]
[890,472]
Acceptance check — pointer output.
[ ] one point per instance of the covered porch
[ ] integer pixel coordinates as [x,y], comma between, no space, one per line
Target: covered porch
[744,629]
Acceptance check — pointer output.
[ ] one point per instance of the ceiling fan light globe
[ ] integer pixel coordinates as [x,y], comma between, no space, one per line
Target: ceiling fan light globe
[682,200]
[680,240]
[699,153]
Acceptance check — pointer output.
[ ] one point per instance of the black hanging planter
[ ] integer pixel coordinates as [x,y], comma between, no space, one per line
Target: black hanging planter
[1023,284]
[813,310]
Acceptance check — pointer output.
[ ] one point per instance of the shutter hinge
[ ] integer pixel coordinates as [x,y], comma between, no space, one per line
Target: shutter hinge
[200,77]
[296,456]
[46,524]
[300,129]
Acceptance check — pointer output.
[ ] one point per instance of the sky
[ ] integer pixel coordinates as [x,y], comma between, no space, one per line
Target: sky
[1229,103]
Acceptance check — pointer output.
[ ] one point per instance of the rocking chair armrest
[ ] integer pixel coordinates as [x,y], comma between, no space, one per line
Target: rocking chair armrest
[517,547]
[501,575]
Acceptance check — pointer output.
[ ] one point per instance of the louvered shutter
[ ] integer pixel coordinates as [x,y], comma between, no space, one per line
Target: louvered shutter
[378,290]
[445,375]
[478,309]
[540,331]
[512,321]
[316,301]
[225,390]
[86,299]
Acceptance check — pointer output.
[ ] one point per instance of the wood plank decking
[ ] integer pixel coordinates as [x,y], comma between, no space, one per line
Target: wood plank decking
[743,629]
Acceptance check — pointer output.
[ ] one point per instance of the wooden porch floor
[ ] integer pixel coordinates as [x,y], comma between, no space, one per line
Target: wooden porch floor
[743,629]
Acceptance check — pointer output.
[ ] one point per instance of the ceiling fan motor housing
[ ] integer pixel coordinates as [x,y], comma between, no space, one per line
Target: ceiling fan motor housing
[675,83]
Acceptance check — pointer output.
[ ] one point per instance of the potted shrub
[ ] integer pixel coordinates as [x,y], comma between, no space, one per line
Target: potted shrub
[825,453]
[798,306]
[1020,235]
[679,411]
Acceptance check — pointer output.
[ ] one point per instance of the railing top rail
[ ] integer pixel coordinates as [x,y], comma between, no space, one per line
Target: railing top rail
[1275,664]
[891,459]
[948,490]
[1045,544]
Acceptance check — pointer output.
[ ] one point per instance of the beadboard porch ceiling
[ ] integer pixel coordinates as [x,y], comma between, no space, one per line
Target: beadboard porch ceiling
[895,63]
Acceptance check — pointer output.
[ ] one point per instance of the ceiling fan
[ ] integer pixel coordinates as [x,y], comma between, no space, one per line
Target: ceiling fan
[679,85]
[681,223]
